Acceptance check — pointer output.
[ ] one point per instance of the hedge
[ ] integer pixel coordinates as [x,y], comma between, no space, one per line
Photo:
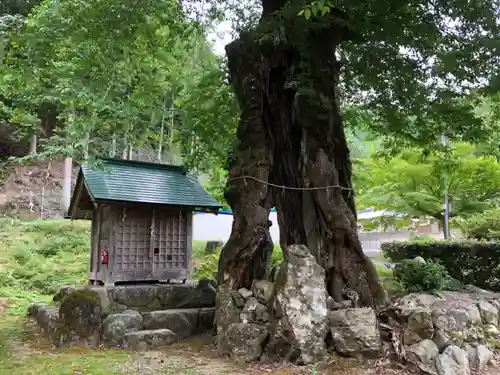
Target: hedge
[470,262]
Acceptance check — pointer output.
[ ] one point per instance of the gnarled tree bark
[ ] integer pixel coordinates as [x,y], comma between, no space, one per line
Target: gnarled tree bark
[291,134]
[246,255]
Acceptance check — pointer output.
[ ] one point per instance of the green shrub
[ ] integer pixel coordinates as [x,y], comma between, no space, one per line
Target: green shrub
[383,272]
[39,257]
[22,255]
[470,262]
[206,267]
[198,249]
[422,238]
[6,278]
[481,225]
[415,276]
[77,244]
[277,256]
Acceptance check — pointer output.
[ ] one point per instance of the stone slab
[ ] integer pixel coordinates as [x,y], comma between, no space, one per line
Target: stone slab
[148,339]
[184,322]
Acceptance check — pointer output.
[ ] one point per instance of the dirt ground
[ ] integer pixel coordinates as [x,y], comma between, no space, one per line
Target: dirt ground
[33,191]
[199,357]
[24,351]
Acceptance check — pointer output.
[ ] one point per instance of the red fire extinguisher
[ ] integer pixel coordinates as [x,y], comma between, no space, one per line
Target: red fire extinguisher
[104,257]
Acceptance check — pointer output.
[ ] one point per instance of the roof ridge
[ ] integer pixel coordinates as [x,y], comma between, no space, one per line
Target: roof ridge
[143,182]
[141,163]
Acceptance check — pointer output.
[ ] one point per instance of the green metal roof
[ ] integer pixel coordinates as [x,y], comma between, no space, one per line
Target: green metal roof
[141,182]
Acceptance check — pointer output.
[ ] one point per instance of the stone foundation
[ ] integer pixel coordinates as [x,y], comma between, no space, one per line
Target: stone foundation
[446,333]
[291,318]
[294,319]
[134,316]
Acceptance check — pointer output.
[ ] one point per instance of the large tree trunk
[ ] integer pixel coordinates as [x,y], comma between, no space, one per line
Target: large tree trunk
[291,134]
[246,255]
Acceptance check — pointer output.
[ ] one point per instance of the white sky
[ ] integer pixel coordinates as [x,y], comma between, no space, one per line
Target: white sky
[220,37]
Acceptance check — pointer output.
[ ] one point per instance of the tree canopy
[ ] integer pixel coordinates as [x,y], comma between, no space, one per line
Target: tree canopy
[414,184]
[112,69]
[408,65]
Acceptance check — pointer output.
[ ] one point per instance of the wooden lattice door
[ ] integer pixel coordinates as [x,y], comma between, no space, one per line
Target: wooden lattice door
[170,243]
[132,258]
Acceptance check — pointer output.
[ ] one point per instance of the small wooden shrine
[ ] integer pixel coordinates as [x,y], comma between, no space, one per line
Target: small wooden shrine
[141,219]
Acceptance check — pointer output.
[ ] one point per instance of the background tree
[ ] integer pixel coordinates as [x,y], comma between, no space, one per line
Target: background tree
[413,182]
[483,225]
[139,86]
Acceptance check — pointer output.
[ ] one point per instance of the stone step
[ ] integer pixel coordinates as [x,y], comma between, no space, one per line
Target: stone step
[183,322]
[149,339]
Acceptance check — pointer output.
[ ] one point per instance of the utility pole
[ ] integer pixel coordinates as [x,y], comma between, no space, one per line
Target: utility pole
[446,223]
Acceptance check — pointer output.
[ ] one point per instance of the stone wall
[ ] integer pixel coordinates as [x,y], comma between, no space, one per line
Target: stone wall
[294,319]
[133,316]
[446,333]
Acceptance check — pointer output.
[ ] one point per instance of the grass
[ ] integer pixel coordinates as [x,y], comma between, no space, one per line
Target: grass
[17,357]
[36,258]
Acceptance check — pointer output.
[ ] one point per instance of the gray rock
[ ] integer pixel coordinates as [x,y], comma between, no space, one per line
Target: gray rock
[247,315]
[238,300]
[34,307]
[226,313]
[202,296]
[495,302]
[262,290]
[206,317]
[489,313]
[462,306]
[425,352]
[261,313]
[491,331]
[153,297]
[243,342]
[47,319]
[245,293]
[453,361]
[80,317]
[116,326]
[108,305]
[479,357]
[451,320]
[63,292]
[474,334]
[355,331]
[169,296]
[418,328]
[299,325]
[442,340]
[149,339]
[136,296]
[183,322]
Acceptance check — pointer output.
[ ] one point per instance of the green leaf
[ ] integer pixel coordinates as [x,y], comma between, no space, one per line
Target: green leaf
[308,13]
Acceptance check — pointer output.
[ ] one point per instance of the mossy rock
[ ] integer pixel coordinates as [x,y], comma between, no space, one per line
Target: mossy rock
[493,344]
[80,317]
